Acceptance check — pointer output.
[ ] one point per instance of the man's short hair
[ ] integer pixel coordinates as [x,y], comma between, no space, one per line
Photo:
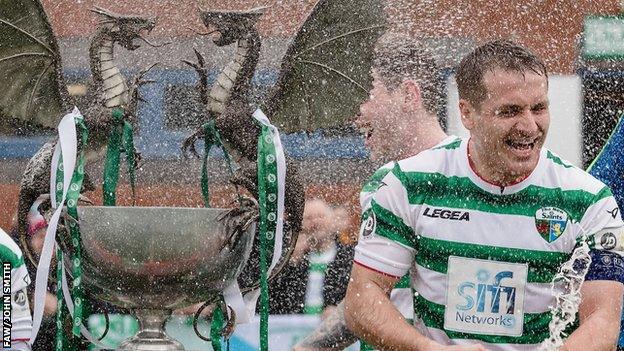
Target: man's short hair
[498,54]
[399,57]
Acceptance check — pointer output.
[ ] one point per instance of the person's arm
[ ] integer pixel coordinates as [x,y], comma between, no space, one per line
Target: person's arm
[21,321]
[370,315]
[385,252]
[331,335]
[602,291]
[599,315]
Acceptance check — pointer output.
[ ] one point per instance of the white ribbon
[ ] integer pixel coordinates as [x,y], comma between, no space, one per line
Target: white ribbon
[245,306]
[67,146]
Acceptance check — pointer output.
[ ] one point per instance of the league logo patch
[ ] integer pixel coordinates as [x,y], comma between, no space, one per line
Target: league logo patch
[608,241]
[20,298]
[368,226]
[551,222]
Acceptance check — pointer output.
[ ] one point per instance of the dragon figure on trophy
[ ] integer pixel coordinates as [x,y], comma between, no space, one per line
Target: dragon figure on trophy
[323,78]
[36,95]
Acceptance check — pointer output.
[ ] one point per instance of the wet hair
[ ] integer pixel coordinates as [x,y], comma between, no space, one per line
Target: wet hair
[498,54]
[398,57]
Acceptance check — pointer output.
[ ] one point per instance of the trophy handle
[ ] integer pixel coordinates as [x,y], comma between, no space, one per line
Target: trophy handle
[107,327]
[290,238]
[227,330]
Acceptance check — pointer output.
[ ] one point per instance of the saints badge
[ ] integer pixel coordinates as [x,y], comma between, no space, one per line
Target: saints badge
[551,222]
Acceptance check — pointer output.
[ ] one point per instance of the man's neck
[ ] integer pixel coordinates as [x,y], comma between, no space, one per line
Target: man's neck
[489,172]
[424,132]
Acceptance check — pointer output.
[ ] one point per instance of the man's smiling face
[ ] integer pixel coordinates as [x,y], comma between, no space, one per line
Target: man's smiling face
[509,127]
[381,120]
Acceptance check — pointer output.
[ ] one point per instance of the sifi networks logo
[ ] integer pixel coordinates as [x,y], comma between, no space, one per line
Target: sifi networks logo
[487,294]
[485,297]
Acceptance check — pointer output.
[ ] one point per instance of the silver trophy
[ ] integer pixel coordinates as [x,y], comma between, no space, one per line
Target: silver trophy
[153,260]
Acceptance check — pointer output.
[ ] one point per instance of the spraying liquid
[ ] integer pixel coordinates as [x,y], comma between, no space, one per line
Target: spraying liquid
[566,287]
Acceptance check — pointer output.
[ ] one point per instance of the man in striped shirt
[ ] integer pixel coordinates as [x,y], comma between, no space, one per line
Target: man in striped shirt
[398,120]
[485,224]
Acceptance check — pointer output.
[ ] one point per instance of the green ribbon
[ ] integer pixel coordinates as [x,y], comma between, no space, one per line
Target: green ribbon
[61,338]
[72,201]
[128,138]
[77,293]
[215,328]
[267,200]
[121,137]
[211,138]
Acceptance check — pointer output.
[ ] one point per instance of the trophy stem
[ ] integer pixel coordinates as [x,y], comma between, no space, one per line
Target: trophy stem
[151,335]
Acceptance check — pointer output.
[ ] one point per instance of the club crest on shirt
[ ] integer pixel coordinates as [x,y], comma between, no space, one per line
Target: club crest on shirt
[369,224]
[551,222]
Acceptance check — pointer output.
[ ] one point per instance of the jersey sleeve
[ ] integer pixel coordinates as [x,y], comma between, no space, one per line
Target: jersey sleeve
[21,320]
[603,225]
[19,277]
[387,241]
[14,283]
[372,184]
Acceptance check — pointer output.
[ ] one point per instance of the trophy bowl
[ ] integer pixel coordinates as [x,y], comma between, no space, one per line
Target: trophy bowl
[152,260]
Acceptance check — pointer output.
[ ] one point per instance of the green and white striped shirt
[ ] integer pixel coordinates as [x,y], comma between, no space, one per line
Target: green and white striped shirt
[483,256]
[15,279]
[401,295]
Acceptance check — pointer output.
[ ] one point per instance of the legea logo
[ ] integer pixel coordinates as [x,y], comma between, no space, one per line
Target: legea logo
[488,301]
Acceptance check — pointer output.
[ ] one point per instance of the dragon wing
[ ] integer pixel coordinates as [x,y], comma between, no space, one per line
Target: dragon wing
[33,91]
[325,74]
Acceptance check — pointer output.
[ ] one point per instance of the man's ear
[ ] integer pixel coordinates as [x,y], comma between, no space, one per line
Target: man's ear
[412,95]
[467,113]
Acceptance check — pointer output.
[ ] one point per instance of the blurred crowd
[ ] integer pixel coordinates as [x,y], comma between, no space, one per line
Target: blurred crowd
[316,276]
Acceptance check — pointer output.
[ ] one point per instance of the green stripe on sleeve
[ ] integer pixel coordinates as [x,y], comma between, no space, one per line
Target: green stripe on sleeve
[392,227]
[603,193]
[8,255]
[373,181]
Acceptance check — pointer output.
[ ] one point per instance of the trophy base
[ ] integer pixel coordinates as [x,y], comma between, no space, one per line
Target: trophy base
[151,335]
[164,344]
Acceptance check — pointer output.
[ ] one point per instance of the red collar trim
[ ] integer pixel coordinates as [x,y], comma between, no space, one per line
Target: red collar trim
[474,170]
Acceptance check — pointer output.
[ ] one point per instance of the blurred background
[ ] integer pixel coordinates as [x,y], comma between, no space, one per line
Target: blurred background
[581,41]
